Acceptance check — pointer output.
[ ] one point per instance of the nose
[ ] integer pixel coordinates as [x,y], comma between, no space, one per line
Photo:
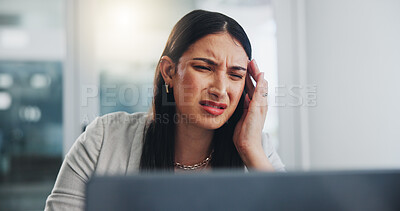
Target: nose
[218,87]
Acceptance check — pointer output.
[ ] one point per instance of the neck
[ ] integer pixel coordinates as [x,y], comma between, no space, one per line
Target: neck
[192,144]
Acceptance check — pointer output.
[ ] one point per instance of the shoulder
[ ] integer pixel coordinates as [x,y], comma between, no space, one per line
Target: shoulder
[123,129]
[120,126]
[104,148]
[112,127]
[124,119]
[122,141]
[116,122]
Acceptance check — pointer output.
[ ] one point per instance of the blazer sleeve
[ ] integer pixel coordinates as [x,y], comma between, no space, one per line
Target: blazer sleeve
[78,166]
[273,156]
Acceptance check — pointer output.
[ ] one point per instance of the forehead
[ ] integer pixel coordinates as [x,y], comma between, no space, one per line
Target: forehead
[219,46]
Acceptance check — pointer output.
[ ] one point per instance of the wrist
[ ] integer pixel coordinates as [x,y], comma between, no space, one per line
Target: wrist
[255,159]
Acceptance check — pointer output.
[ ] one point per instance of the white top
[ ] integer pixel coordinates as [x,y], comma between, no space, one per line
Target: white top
[111,145]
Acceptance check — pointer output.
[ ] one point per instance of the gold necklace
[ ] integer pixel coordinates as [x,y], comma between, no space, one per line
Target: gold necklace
[194,166]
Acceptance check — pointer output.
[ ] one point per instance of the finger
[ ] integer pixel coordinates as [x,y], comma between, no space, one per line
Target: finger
[246,105]
[245,109]
[261,91]
[249,86]
[254,70]
[246,101]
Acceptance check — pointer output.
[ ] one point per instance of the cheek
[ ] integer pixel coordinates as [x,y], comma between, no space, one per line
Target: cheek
[237,93]
[188,87]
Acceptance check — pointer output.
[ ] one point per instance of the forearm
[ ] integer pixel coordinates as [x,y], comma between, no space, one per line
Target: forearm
[256,159]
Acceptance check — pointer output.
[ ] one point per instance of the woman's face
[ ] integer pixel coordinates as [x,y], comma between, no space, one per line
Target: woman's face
[209,80]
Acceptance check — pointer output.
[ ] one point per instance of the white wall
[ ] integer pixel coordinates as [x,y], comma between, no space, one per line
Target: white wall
[352,53]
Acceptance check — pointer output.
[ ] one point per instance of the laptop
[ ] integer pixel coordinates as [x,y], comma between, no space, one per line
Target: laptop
[227,190]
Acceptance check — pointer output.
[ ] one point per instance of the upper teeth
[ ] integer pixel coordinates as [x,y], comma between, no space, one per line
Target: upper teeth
[212,106]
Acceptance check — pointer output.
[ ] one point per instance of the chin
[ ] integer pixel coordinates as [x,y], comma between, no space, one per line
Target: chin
[211,122]
[209,126]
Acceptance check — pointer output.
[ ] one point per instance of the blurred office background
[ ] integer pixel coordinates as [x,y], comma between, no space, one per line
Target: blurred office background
[332,68]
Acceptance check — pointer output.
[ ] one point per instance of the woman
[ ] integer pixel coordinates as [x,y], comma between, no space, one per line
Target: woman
[206,114]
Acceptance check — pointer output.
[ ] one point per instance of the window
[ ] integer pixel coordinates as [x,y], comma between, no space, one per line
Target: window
[32,49]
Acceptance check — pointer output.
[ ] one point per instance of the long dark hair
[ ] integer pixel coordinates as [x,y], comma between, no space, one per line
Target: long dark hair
[159,135]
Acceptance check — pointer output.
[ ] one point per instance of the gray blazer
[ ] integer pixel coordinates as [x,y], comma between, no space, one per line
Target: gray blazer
[111,145]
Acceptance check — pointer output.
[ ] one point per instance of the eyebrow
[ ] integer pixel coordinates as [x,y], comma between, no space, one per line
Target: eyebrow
[210,62]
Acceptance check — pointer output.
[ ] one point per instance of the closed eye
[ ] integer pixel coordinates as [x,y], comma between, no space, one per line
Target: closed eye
[201,67]
[237,76]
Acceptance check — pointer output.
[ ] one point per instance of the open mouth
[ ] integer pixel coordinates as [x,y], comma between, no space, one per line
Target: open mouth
[212,107]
